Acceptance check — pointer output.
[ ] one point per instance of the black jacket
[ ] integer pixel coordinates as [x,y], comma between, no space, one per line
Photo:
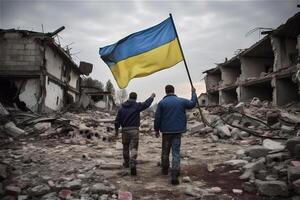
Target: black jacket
[129,114]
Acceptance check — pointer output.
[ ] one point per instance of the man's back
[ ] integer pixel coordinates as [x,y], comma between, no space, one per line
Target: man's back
[129,114]
[170,116]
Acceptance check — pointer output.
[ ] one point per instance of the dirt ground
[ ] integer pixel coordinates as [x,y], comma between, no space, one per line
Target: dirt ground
[37,161]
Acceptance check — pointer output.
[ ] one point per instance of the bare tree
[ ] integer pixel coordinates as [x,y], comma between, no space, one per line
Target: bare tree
[122,95]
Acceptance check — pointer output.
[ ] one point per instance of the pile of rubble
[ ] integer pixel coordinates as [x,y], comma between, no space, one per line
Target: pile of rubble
[31,142]
[271,167]
[245,123]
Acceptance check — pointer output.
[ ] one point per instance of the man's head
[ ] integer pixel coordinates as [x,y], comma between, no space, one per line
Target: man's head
[169,89]
[133,96]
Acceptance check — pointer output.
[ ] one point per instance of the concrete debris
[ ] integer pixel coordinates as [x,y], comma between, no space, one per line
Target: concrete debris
[273,145]
[291,145]
[124,195]
[256,102]
[272,188]
[13,130]
[257,151]
[74,155]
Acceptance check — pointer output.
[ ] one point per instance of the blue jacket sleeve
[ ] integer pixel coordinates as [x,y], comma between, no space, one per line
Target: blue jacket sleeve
[189,104]
[157,119]
[146,104]
[117,120]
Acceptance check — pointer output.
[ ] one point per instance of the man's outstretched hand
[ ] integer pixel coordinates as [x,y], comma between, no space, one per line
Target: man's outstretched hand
[153,95]
[157,134]
[193,89]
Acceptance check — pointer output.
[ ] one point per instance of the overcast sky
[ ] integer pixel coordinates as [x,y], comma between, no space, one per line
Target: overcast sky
[209,31]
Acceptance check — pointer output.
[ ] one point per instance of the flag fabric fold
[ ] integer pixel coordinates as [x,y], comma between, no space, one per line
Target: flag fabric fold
[143,53]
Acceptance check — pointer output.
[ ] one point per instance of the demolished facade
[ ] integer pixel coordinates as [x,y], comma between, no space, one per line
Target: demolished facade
[266,70]
[36,73]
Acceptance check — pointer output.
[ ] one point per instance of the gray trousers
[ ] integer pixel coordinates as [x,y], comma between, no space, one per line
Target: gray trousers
[130,140]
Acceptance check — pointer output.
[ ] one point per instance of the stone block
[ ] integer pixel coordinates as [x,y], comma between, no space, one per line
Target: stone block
[272,188]
[293,174]
[257,151]
[291,144]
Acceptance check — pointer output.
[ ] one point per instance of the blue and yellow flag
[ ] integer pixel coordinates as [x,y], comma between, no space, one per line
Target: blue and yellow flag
[143,53]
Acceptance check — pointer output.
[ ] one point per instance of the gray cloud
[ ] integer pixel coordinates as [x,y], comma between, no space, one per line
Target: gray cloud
[209,30]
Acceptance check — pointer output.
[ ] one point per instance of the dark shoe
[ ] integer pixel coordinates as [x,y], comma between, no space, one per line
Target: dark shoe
[175,180]
[133,171]
[164,171]
[126,165]
[174,177]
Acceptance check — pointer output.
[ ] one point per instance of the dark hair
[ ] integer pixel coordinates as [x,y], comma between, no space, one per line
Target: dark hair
[133,95]
[169,89]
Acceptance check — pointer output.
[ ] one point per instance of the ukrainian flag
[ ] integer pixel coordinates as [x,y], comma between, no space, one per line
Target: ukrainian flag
[143,53]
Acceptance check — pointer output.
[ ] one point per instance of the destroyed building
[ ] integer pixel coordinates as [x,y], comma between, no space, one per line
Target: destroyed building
[267,70]
[94,96]
[202,99]
[36,73]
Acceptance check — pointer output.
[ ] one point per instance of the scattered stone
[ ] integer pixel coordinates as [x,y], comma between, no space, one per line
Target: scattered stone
[236,163]
[13,130]
[249,187]
[186,179]
[42,126]
[256,102]
[213,137]
[273,145]
[100,188]
[215,189]
[110,166]
[237,191]
[223,131]
[12,190]
[293,174]
[272,117]
[23,197]
[124,195]
[39,190]
[210,167]
[119,146]
[65,194]
[209,196]
[73,185]
[197,128]
[50,196]
[257,151]
[272,188]
[3,171]
[193,191]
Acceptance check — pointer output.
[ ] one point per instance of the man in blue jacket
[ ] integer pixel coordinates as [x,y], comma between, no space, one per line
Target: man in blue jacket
[170,120]
[129,118]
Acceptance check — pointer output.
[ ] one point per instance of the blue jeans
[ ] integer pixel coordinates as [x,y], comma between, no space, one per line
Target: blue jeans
[171,141]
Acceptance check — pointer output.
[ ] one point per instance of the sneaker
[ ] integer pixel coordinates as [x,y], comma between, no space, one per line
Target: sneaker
[133,171]
[175,180]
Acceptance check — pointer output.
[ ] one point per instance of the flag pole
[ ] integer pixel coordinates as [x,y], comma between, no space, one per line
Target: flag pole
[188,72]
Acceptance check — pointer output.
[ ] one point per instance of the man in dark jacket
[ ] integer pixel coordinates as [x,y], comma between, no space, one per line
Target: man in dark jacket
[129,118]
[170,119]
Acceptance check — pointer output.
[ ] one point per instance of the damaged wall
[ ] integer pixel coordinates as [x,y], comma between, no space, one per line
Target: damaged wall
[230,75]
[54,63]
[228,96]
[286,91]
[212,80]
[54,97]
[19,53]
[285,52]
[252,67]
[263,90]
[30,93]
